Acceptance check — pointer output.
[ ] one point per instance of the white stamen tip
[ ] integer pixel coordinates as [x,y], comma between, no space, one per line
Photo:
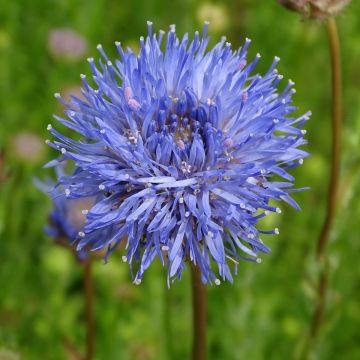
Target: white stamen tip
[47,141]
[109,63]
[251,236]
[90,59]
[127,176]
[276,231]
[165,248]
[83,76]
[57,95]
[187,214]
[278,210]
[210,234]
[181,200]
[85,211]
[242,206]
[276,58]
[293,91]
[258,55]
[303,131]
[67,192]
[301,161]
[266,212]
[247,40]
[217,282]
[149,23]
[137,282]
[276,121]
[102,131]
[49,127]
[102,187]
[124,258]
[280,76]
[72,113]
[258,260]
[99,46]
[117,43]
[291,83]
[81,234]
[283,101]
[172,27]
[63,150]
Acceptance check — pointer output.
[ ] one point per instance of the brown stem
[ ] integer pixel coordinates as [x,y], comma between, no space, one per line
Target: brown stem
[89,304]
[336,135]
[199,315]
[318,315]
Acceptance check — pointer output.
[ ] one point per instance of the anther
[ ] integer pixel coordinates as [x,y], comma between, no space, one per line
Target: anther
[49,127]
[102,187]
[124,258]
[81,234]
[278,210]
[67,192]
[217,282]
[85,211]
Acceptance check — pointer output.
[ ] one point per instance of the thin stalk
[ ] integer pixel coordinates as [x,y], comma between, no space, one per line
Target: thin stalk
[89,305]
[334,45]
[199,315]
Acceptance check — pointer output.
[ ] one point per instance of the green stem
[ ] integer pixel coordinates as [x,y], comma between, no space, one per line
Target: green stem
[89,304]
[319,311]
[199,315]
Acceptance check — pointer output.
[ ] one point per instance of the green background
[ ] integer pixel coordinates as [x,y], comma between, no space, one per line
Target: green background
[265,314]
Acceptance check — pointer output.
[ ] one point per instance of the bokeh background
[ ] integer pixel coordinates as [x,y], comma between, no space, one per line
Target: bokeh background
[265,314]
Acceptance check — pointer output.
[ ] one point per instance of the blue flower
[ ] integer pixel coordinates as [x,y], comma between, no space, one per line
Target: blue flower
[183,148]
[67,217]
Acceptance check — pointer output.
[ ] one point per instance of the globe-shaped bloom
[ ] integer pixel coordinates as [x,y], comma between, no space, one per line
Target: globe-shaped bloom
[184,149]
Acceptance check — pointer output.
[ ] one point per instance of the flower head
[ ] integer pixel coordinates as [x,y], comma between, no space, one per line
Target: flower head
[316,9]
[183,149]
[67,217]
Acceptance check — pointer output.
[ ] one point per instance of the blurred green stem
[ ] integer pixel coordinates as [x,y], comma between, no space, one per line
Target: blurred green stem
[199,315]
[89,304]
[167,323]
[334,44]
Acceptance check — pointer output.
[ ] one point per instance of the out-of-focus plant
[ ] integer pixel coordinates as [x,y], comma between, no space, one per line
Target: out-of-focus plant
[326,9]
[316,9]
[66,221]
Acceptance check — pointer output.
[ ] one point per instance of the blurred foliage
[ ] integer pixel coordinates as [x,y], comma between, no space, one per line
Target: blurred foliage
[266,313]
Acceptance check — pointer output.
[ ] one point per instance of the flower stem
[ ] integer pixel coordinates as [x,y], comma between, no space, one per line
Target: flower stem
[199,315]
[89,303]
[334,44]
